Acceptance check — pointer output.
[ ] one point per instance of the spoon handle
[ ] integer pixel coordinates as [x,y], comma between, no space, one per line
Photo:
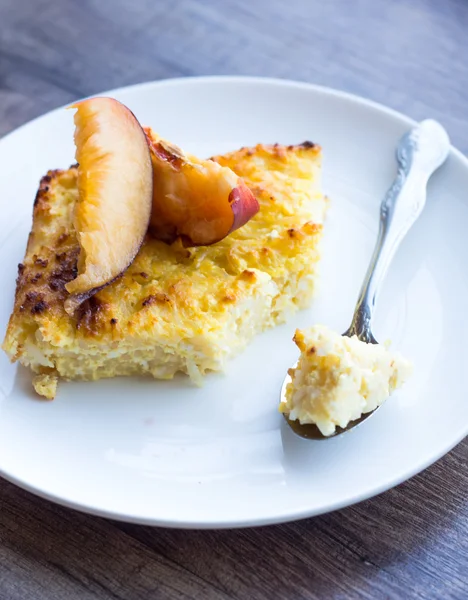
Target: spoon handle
[419,153]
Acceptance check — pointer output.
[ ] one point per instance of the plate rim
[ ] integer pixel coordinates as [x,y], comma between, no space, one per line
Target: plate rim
[285,516]
[242,79]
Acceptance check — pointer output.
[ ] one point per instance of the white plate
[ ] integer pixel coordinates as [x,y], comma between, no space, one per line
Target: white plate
[167,453]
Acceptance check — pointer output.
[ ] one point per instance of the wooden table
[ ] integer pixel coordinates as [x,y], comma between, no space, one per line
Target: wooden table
[411,542]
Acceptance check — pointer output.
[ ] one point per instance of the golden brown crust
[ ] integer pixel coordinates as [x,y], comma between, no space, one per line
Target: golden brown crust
[47,267]
[50,265]
[278,151]
[51,257]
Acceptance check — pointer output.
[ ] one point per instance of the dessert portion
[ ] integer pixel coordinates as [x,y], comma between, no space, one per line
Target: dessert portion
[172,308]
[338,379]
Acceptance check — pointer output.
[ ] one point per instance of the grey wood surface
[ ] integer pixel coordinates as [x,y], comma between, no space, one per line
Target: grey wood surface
[411,542]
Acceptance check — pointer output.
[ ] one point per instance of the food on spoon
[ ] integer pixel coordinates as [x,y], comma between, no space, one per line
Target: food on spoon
[338,379]
[174,309]
[197,200]
[114,183]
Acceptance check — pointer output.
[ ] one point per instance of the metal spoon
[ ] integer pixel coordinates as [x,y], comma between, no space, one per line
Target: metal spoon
[419,153]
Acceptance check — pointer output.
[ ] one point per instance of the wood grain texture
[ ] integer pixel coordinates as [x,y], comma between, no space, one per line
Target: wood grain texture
[411,542]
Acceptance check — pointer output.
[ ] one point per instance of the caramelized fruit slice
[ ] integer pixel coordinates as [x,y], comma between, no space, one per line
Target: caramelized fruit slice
[198,200]
[115,190]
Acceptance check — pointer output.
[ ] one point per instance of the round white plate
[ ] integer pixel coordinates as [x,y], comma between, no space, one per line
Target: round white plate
[167,453]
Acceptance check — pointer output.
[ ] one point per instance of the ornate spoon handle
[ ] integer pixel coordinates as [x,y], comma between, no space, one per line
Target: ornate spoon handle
[420,152]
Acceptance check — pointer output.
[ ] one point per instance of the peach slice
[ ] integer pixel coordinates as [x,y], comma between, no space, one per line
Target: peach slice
[115,184]
[197,200]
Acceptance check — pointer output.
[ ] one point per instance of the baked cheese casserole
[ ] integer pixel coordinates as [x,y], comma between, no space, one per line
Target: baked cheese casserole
[175,308]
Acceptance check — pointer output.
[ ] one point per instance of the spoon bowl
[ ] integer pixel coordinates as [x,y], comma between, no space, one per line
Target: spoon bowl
[310,431]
